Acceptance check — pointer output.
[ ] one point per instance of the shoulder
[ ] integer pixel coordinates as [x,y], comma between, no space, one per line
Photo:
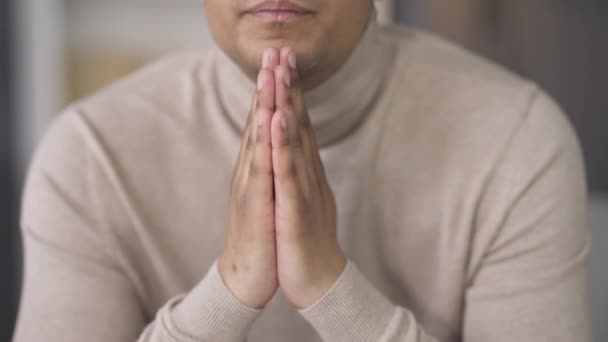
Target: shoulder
[161,83]
[432,57]
[445,76]
[465,103]
[146,111]
[126,120]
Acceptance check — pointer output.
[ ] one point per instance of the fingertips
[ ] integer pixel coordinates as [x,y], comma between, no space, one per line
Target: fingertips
[289,60]
[265,96]
[289,95]
[271,58]
[288,57]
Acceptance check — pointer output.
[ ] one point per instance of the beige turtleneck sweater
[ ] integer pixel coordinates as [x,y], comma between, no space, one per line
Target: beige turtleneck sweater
[460,192]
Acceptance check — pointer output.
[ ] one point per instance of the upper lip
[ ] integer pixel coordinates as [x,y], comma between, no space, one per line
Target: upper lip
[277,6]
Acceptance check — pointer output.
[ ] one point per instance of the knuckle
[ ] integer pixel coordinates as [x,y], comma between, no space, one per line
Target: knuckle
[293,140]
[254,170]
[289,172]
[257,170]
[260,138]
[285,140]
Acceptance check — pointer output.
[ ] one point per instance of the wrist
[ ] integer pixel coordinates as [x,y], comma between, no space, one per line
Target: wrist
[251,292]
[323,282]
[209,312]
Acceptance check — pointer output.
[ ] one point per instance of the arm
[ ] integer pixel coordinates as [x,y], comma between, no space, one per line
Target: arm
[74,287]
[529,285]
[313,272]
[354,310]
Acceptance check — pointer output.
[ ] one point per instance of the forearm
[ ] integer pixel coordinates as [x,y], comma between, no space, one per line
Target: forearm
[68,297]
[210,312]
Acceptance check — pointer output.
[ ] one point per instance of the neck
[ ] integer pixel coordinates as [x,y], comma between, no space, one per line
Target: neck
[336,101]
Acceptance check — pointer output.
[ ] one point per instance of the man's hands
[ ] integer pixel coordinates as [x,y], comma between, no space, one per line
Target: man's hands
[248,263]
[289,239]
[309,258]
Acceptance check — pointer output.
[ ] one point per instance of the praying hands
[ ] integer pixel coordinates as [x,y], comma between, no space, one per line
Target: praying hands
[282,220]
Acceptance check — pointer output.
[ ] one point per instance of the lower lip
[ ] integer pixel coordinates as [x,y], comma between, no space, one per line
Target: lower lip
[284,16]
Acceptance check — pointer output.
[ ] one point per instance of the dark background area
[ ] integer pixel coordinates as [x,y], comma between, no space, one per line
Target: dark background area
[8,260]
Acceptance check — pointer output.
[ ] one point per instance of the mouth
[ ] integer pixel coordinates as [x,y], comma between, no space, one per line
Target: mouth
[278,11]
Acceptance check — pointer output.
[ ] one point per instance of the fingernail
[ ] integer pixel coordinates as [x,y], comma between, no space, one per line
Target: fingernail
[291,59]
[283,122]
[287,78]
[266,59]
[261,80]
[260,119]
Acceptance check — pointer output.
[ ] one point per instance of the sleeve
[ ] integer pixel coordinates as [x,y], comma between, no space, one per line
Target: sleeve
[353,310]
[529,285]
[73,287]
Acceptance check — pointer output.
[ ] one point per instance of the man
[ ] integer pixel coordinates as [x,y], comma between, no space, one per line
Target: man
[388,187]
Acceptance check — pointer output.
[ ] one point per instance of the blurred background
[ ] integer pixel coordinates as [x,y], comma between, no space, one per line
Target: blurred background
[55,51]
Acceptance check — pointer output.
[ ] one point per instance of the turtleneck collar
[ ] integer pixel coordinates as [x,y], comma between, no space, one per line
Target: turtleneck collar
[336,106]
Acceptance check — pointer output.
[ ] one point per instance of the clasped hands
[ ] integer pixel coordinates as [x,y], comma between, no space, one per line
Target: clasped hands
[282,212]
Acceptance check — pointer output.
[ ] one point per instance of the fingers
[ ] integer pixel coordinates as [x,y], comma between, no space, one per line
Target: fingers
[271,59]
[282,84]
[259,170]
[295,153]
[257,173]
[265,92]
[265,81]
[289,95]
[283,157]
[263,100]
[287,58]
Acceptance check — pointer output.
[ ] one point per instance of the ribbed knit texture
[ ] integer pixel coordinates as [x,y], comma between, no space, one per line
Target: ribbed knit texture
[353,310]
[227,318]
